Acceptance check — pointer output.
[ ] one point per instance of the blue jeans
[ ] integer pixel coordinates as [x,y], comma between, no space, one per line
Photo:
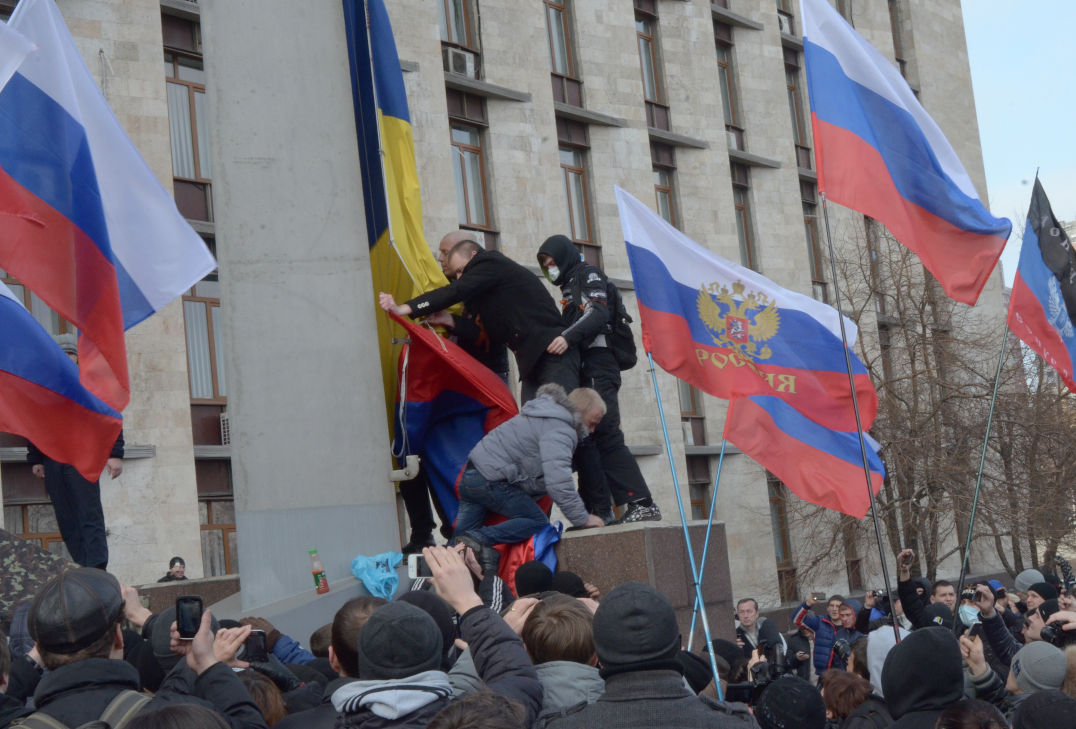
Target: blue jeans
[479,496]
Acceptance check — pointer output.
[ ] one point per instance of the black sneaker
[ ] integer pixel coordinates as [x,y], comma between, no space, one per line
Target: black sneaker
[489,559]
[638,512]
[417,543]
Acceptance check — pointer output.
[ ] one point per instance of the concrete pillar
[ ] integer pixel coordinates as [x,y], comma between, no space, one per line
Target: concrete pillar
[310,446]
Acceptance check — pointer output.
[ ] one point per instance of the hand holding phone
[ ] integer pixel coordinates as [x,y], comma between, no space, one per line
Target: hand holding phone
[188,616]
[417,567]
[255,648]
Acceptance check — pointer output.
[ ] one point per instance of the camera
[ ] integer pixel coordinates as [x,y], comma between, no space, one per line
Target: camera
[968,594]
[1054,634]
[762,674]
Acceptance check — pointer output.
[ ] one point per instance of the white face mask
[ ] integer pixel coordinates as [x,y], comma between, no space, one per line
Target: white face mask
[552,273]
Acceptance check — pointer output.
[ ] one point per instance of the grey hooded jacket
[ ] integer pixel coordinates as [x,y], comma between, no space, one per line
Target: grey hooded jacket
[534,451]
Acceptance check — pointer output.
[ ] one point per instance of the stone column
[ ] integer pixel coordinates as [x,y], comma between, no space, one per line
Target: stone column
[310,446]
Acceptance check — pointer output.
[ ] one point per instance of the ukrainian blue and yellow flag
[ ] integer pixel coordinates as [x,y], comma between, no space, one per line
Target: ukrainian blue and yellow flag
[401,263]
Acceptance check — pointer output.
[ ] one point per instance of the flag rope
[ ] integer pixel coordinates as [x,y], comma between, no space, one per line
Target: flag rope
[982,463]
[859,420]
[683,525]
[706,545]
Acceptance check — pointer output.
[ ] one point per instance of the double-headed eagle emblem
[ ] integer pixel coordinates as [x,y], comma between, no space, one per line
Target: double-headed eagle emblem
[740,321]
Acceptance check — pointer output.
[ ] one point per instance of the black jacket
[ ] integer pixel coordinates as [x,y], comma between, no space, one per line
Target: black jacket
[871,714]
[80,692]
[322,716]
[646,699]
[511,302]
[585,302]
[35,457]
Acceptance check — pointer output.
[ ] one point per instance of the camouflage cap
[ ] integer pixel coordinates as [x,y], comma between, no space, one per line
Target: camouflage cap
[75,609]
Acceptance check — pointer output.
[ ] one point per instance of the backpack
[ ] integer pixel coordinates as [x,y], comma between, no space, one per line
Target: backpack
[124,707]
[618,333]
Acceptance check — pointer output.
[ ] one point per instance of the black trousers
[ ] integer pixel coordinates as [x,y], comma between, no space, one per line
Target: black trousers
[417,493]
[607,470]
[563,369]
[77,503]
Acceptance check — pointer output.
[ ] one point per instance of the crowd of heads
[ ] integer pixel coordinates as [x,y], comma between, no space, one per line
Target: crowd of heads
[914,660]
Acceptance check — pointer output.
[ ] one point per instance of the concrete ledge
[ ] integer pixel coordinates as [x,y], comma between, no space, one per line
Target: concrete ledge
[17,454]
[460,82]
[161,595]
[654,553]
[578,113]
[753,160]
[723,15]
[676,140]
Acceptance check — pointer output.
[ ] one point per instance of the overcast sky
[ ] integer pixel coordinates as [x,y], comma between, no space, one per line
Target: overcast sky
[1024,73]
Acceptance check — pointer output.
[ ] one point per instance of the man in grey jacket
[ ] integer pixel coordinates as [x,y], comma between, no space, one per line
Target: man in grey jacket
[527,456]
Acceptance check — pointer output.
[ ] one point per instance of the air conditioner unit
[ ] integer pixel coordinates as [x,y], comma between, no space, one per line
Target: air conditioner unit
[733,140]
[784,22]
[225,430]
[458,61]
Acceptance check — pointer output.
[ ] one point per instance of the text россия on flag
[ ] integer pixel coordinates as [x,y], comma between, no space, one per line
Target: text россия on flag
[879,152]
[731,332]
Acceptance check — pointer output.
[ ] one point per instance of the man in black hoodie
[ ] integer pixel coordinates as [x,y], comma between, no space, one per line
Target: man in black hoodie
[513,305]
[606,466]
[922,676]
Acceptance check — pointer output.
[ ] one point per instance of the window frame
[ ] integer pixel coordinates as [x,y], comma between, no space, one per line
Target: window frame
[579,170]
[460,150]
[815,257]
[209,302]
[27,300]
[192,88]
[741,199]
[471,41]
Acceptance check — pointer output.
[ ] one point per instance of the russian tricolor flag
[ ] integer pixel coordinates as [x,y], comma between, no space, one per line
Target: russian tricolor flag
[86,224]
[822,466]
[731,332]
[42,398]
[880,153]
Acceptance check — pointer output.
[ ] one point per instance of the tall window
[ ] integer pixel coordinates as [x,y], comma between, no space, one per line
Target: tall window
[205,356]
[192,169]
[814,243]
[726,81]
[782,544]
[455,18]
[49,319]
[467,125]
[785,17]
[796,109]
[460,51]
[664,160]
[567,88]
[897,29]
[741,193]
[693,422]
[573,164]
[646,21]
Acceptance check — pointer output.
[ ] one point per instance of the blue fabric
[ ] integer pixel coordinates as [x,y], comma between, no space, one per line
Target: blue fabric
[378,573]
[288,650]
[478,496]
[544,542]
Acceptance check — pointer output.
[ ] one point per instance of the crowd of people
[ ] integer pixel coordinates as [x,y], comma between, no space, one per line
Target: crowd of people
[459,649]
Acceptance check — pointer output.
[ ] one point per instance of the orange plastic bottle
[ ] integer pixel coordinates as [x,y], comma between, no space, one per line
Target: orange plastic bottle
[321,582]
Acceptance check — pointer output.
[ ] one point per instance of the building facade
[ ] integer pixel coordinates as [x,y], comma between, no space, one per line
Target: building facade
[525,116]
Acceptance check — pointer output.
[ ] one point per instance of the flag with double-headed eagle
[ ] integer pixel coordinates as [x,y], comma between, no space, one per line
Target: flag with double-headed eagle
[731,332]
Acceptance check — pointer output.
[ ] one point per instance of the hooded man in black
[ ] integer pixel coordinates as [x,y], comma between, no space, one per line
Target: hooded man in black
[922,676]
[513,305]
[603,460]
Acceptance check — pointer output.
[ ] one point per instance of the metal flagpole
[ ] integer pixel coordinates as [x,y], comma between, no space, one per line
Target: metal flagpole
[706,546]
[683,524]
[859,420]
[982,463]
